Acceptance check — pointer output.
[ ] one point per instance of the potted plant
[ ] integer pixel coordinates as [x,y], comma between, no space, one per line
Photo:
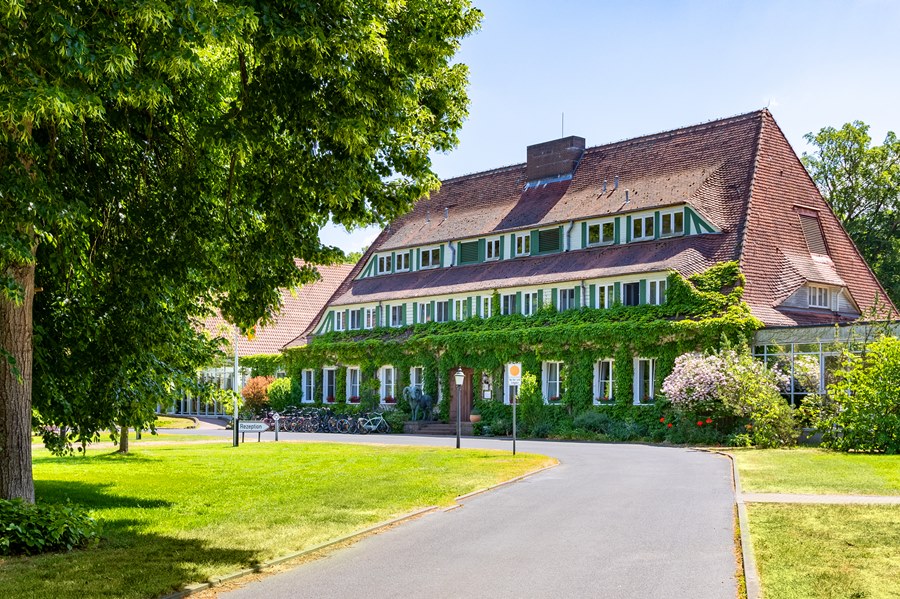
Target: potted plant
[354,399]
[475,415]
[390,399]
[554,399]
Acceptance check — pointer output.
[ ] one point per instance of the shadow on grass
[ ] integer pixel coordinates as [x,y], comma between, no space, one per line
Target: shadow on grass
[93,496]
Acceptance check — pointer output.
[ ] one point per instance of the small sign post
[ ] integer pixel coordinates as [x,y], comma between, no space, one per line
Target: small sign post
[252,426]
[514,377]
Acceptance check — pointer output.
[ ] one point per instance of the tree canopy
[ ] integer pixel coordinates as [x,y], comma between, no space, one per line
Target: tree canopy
[159,160]
[861,182]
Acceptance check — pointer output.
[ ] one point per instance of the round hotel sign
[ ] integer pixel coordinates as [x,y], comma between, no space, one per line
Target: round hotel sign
[514,374]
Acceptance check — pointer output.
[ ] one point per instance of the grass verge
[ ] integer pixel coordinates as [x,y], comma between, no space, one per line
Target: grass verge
[817,471]
[174,422]
[171,515]
[827,551]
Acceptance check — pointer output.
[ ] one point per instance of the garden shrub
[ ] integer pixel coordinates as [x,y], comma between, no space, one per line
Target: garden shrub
[29,529]
[595,422]
[254,393]
[865,413]
[716,395]
[282,394]
[531,402]
[396,419]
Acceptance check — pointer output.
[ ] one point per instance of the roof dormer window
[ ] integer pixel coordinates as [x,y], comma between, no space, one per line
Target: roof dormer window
[430,258]
[492,249]
[671,223]
[385,264]
[523,244]
[402,262]
[642,228]
[819,297]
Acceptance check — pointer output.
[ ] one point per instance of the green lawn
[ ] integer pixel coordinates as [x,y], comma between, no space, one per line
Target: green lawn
[827,551]
[176,514]
[817,471]
[174,422]
[146,437]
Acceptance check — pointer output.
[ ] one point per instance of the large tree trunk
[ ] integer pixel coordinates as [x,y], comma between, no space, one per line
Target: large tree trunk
[15,390]
[123,439]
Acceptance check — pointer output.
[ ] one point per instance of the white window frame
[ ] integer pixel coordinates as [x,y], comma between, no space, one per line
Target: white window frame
[349,384]
[638,381]
[530,302]
[446,310]
[815,295]
[460,308]
[424,316]
[508,390]
[492,249]
[643,220]
[608,296]
[402,257]
[308,382]
[555,386]
[339,323]
[671,214]
[417,378]
[603,387]
[398,314]
[387,390]
[486,305]
[369,318]
[569,299]
[525,245]
[600,224]
[503,303]
[356,315]
[656,291]
[384,260]
[326,372]
[434,258]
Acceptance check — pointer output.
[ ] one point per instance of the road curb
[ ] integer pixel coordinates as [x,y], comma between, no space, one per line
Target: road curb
[218,580]
[751,574]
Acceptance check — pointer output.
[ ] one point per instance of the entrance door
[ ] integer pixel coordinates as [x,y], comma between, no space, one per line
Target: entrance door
[466,395]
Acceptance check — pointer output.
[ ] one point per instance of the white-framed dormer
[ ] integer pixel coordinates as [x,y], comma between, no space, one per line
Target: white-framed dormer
[644,383]
[370,317]
[402,261]
[387,375]
[642,227]
[430,257]
[384,264]
[329,384]
[339,324]
[353,384]
[493,249]
[671,222]
[603,382]
[819,296]
[308,385]
[551,381]
[522,244]
[601,232]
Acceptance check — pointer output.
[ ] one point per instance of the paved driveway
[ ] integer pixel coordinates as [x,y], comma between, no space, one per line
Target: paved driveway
[615,521]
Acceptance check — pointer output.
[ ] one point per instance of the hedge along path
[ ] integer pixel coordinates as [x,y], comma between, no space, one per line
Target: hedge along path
[701,312]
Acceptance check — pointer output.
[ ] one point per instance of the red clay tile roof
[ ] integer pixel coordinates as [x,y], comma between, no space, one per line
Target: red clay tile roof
[739,173]
[297,312]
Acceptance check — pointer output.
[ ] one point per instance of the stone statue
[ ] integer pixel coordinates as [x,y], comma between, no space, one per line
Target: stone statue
[420,404]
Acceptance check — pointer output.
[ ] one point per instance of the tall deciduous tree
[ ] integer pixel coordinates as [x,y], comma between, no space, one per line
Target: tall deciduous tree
[159,159]
[861,182]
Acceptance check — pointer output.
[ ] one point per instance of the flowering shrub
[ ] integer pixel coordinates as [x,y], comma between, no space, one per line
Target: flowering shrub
[725,390]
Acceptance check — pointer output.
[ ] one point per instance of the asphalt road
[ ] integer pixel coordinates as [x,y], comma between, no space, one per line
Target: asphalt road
[617,521]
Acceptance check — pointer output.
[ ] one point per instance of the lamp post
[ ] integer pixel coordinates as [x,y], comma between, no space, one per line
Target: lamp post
[234,386]
[460,377]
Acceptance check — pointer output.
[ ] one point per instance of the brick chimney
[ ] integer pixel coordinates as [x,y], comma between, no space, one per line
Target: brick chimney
[555,158]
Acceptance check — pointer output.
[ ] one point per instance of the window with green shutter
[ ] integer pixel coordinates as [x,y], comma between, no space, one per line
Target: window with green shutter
[468,252]
[549,240]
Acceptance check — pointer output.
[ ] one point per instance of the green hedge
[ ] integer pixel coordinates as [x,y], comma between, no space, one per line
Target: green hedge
[29,529]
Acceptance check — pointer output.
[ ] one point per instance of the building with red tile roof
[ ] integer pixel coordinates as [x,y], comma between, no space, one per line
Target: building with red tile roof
[593,227]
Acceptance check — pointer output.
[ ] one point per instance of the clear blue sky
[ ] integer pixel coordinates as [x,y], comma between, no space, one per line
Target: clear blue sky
[623,69]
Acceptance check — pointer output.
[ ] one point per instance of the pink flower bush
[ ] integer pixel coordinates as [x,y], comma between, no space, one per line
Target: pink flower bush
[695,381]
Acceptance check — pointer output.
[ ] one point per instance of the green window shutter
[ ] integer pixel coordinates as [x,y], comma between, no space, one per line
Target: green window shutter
[643,291]
[502,239]
[472,303]
[547,241]
[415,317]
[346,320]
[482,249]
[535,247]
[431,310]
[553,297]
[577,303]
[393,261]
[477,306]
[442,256]
[512,245]
[584,235]
[403,312]
[467,252]
[617,293]
[656,224]
[593,292]
[627,229]
[687,220]
[418,262]
[518,309]
[540,298]
[378,311]
[618,227]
